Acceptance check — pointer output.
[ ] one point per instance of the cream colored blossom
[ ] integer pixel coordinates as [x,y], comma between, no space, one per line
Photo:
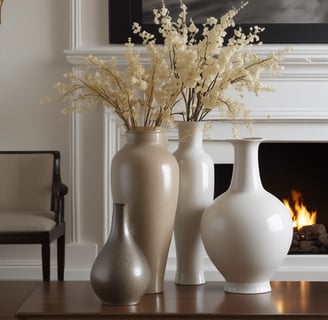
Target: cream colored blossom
[198,66]
[208,63]
[140,95]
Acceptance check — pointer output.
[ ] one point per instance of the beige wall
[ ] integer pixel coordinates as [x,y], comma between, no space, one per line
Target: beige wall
[34,35]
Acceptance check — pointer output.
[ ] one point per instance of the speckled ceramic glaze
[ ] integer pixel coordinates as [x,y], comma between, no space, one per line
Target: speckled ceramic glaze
[145,176]
[120,274]
[195,194]
[247,231]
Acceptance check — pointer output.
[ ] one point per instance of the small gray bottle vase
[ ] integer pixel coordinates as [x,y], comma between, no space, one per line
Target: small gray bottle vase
[120,274]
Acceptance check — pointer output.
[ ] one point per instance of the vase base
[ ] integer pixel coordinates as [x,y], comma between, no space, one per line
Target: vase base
[156,288]
[120,303]
[190,283]
[247,288]
[194,280]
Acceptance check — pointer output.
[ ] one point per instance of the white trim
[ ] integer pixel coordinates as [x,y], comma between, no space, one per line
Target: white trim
[303,267]
[75,26]
[75,43]
[303,63]
[285,113]
[75,175]
[80,257]
[294,268]
[112,143]
[78,262]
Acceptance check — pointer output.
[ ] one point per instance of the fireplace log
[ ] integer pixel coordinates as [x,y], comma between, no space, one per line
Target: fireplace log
[310,239]
[323,239]
[312,232]
[308,246]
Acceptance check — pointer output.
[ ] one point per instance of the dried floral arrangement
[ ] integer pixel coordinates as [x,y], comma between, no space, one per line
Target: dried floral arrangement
[190,74]
[141,96]
[208,63]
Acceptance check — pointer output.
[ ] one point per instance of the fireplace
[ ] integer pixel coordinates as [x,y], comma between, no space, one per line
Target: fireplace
[281,131]
[297,174]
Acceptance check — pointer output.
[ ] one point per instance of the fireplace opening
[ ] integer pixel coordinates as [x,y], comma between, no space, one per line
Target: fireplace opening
[297,174]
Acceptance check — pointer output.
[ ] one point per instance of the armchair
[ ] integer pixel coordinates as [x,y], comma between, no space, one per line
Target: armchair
[32,203]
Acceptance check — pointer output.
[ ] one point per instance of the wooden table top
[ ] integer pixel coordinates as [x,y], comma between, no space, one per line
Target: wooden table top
[12,295]
[76,300]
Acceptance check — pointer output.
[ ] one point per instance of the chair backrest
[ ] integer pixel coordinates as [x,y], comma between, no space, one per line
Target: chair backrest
[26,180]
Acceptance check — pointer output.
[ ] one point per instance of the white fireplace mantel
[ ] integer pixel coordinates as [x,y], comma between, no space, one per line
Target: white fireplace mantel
[304,65]
[303,62]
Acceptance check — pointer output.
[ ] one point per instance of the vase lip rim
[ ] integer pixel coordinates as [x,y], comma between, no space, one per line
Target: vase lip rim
[188,121]
[119,204]
[141,129]
[180,122]
[246,139]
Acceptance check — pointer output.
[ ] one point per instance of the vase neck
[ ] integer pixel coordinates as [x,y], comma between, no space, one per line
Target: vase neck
[155,136]
[246,174]
[191,134]
[119,221]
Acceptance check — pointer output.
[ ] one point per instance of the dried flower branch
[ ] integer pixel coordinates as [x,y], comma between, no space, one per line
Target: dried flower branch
[197,67]
[139,96]
[210,62]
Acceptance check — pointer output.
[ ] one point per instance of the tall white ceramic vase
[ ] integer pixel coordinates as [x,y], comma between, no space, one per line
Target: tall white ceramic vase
[247,231]
[196,190]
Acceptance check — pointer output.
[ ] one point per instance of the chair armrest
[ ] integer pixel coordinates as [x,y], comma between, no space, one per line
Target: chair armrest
[60,187]
[59,192]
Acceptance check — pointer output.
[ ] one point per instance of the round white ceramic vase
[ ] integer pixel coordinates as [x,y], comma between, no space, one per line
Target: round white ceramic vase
[196,188]
[247,231]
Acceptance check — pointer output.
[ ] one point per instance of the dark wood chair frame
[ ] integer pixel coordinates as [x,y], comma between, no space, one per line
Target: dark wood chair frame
[59,190]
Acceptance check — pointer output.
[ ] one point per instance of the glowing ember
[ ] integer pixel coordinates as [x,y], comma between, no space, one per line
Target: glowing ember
[300,215]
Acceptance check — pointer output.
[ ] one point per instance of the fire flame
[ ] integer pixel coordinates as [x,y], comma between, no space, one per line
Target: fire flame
[299,213]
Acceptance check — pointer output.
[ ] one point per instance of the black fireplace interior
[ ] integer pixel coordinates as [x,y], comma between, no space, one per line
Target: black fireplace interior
[287,166]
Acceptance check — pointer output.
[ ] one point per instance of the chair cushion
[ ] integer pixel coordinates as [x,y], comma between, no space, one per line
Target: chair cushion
[26,221]
[26,181]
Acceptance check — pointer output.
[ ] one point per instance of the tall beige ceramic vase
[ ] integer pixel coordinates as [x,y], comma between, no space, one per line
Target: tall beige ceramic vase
[145,176]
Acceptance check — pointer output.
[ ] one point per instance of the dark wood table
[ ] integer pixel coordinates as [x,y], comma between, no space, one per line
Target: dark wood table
[76,300]
[12,295]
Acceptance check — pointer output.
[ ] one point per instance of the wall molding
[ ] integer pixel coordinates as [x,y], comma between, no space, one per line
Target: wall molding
[75,24]
[303,63]
[75,175]
[16,264]
[111,144]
